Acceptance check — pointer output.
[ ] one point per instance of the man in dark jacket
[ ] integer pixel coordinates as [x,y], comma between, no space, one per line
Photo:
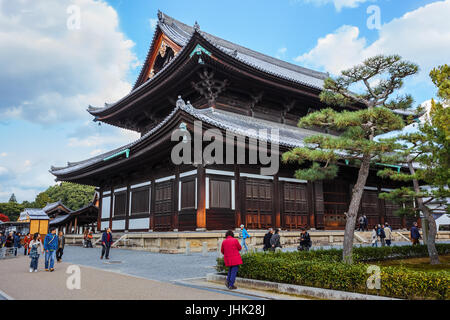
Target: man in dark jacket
[9,240]
[366,224]
[61,244]
[107,240]
[305,241]
[415,234]
[275,240]
[16,240]
[266,240]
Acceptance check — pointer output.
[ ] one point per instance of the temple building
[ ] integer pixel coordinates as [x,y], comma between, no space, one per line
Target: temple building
[190,77]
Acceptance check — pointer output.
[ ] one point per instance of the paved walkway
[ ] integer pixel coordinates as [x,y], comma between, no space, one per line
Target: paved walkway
[16,282]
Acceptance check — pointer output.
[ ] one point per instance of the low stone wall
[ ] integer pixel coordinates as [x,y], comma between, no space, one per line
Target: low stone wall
[176,242]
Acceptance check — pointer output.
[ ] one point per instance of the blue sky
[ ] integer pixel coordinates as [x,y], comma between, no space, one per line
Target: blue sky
[51,73]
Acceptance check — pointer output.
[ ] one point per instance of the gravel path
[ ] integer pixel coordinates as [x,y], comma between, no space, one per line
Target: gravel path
[154,266]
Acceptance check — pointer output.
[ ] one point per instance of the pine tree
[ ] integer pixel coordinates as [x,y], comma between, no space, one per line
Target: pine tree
[380,77]
[13,198]
[426,154]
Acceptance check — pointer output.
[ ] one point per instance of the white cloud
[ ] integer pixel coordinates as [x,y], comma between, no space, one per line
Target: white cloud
[281,53]
[3,171]
[338,4]
[421,36]
[336,51]
[50,73]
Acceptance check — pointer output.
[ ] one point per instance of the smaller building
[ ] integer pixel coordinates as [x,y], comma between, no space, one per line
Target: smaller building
[37,218]
[76,221]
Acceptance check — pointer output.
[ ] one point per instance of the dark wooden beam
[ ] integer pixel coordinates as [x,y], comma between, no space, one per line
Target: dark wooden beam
[237,196]
[276,202]
[152,204]
[201,198]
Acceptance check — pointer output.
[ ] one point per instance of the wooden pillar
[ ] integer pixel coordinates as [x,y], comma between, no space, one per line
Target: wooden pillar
[127,208]
[319,207]
[175,199]
[111,207]
[100,206]
[201,198]
[310,204]
[381,207]
[276,202]
[237,196]
[152,204]
[76,225]
[70,227]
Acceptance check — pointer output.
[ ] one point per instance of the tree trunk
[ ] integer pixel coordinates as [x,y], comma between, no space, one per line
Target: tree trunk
[432,230]
[353,209]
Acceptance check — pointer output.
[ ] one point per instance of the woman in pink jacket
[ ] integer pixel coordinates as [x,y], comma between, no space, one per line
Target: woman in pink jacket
[232,258]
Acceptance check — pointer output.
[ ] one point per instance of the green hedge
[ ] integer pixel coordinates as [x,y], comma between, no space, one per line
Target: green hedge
[323,269]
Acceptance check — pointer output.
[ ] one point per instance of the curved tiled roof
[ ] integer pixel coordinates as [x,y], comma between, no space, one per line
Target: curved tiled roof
[243,125]
[181,34]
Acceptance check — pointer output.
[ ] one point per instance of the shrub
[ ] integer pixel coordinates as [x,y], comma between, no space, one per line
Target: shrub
[324,269]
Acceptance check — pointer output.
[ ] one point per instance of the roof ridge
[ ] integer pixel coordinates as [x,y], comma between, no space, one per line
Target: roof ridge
[165,19]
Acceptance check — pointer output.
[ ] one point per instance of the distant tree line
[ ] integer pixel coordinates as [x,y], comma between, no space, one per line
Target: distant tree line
[73,196]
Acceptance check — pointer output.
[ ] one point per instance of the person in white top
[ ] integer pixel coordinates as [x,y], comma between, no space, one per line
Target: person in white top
[36,247]
[388,233]
[374,237]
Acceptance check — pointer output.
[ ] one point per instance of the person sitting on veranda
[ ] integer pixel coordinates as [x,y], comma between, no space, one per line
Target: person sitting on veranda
[275,240]
[305,240]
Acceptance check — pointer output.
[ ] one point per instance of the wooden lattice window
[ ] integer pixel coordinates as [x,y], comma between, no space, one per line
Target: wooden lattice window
[140,200]
[220,193]
[120,204]
[188,194]
[163,197]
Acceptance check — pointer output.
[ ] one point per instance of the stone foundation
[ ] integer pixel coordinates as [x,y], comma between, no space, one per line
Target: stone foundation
[175,242]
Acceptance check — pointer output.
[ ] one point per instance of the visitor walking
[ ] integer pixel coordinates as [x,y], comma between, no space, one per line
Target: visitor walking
[243,234]
[50,247]
[35,246]
[107,240]
[85,237]
[375,237]
[305,241]
[415,234]
[2,240]
[16,240]
[275,240]
[388,234]
[366,223]
[89,239]
[231,257]
[266,240]
[382,235]
[361,223]
[9,240]
[387,225]
[26,242]
[61,244]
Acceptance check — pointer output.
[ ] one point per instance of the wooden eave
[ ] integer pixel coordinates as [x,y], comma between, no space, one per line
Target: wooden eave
[181,61]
